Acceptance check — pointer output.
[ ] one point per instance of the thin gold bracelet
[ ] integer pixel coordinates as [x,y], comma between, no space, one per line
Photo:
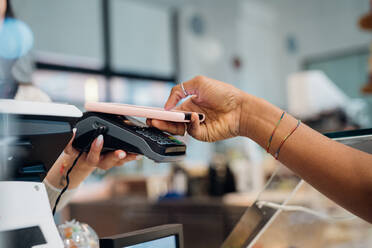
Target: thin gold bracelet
[272,135]
[285,138]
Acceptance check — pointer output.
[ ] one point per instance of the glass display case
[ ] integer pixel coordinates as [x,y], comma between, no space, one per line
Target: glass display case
[302,229]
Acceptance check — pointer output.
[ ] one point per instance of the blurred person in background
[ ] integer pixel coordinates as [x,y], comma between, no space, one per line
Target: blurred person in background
[16,67]
[342,173]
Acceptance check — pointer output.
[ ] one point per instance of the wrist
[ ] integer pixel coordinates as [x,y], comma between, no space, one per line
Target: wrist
[57,174]
[249,114]
[258,118]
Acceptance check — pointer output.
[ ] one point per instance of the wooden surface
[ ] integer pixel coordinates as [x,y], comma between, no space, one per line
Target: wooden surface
[206,221]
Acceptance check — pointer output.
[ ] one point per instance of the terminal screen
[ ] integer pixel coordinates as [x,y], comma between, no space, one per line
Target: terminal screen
[167,242]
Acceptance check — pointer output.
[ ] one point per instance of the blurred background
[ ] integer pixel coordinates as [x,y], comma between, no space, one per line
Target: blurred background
[311,58]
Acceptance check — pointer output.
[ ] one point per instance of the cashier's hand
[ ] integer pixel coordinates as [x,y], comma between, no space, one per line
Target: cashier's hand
[86,164]
[94,159]
[220,102]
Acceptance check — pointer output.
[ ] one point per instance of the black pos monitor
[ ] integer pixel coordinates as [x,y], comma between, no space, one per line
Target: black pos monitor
[32,136]
[165,236]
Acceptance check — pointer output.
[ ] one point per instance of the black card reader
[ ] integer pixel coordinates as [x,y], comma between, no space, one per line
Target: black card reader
[128,134]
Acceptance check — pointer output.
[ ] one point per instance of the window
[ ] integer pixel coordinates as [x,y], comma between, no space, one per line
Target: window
[73,88]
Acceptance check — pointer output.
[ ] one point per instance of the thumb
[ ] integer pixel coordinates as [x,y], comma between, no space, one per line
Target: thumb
[194,128]
[69,150]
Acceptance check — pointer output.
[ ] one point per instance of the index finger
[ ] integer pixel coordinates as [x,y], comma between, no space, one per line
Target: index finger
[177,92]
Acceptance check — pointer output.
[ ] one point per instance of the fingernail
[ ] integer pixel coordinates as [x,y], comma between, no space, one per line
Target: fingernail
[99,140]
[139,157]
[74,130]
[122,155]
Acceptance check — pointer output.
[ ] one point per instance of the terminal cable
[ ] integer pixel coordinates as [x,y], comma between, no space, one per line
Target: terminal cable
[98,131]
[67,181]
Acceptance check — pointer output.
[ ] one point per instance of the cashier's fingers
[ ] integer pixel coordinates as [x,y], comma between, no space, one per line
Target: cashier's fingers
[117,158]
[93,156]
[111,159]
[124,157]
[130,157]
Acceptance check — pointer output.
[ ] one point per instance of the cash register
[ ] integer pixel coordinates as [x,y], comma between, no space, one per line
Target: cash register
[32,135]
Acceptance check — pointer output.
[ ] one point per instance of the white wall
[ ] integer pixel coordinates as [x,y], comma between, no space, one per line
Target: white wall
[259,48]
[210,53]
[256,30]
[323,25]
[246,29]
[320,27]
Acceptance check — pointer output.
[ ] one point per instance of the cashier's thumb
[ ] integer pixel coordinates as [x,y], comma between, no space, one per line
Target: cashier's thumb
[69,150]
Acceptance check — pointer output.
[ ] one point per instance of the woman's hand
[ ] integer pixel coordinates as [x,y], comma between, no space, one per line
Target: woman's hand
[86,164]
[220,102]
[324,163]
[94,159]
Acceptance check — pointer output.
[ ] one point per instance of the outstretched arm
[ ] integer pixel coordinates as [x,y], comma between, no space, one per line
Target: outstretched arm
[340,172]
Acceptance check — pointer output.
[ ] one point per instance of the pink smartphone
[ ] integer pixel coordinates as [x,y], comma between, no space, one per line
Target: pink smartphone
[141,111]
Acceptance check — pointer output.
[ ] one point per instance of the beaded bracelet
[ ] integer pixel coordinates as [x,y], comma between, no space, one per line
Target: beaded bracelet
[285,138]
[272,135]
